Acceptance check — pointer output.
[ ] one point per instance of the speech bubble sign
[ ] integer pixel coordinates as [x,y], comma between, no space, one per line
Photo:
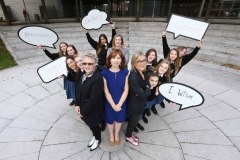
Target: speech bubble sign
[36,35]
[181,94]
[94,20]
[187,27]
[52,70]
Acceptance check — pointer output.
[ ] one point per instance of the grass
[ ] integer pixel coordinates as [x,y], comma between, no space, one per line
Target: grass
[6,59]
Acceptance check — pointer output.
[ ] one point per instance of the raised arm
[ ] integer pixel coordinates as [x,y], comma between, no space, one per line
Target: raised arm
[113,25]
[166,48]
[187,58]
[91,41]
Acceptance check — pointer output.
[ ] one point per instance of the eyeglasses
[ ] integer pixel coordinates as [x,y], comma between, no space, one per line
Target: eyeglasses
[143,61]
[89,64]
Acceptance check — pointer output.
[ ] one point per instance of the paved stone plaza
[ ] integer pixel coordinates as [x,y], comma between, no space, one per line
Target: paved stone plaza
[37,123]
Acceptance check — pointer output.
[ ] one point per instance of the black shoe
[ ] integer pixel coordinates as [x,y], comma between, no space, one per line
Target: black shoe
[136,130]
[154,110]
[162,104]
[139,126]
[145,120]
[72,103]
[102,125]
[147,112]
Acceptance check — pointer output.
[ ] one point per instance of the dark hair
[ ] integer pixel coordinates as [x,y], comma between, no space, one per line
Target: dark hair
[113,54]
[151,74]
[68,68]
[60,51]
[73,47]
[154,62]
[176,61]
[99,45]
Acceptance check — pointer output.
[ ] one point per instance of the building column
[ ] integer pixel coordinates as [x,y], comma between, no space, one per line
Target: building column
[138,10]
[170,8]
[7,18]
[209,9]
[77,10]
[81,9]
[44,11]
[201,8]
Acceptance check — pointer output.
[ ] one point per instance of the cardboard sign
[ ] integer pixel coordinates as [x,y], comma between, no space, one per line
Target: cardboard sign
[181,94]
[94,20]
[187,27]
[36,35]
[52,70]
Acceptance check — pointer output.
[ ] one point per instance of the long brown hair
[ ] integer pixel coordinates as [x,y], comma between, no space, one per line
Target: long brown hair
[99,45]
[113,42]
[180,48]
[161,61]
[176,61]
[60,51]
[154,62]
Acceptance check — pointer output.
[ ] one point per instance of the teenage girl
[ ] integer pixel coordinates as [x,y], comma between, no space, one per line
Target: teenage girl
[102,45]
[151,56]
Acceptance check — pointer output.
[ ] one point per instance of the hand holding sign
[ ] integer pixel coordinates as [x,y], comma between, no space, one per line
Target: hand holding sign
[35,35]
[187,27]
[52,70]
[94,20]
[181,94]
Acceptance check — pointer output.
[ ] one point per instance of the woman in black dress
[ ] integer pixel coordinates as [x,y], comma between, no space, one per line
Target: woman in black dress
[89,103]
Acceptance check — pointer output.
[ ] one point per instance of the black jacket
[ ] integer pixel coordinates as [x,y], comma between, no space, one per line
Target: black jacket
[52,56]
[103,53]
[90,99]
[138,93]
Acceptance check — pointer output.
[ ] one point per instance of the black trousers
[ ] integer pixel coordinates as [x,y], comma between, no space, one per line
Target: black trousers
[132,122]
[96,131]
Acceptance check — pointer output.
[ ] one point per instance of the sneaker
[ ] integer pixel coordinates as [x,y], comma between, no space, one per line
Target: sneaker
[135,130]
[95,145]
[162,104]
[145,120]
[154,110]
[132,141]
[139,126]
[147,112]
[72,103]
[91,142]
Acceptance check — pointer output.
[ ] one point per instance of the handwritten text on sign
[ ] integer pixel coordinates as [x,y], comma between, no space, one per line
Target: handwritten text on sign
[36,35]
[94,20]
[181,94]
[52,70]
[187,27]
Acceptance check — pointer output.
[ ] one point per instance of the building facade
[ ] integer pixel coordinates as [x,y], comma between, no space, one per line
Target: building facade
[40,10]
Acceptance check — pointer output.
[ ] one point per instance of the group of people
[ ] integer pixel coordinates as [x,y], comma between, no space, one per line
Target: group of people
[104,91]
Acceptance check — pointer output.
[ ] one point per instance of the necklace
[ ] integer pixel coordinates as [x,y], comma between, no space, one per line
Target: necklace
[115,76]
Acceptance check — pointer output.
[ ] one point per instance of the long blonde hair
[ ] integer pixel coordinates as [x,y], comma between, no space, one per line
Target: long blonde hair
[180,48]
[113,41]
[161,61]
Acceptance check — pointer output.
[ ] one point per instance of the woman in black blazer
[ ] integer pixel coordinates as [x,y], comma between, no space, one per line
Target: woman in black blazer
[89,103]
[138,93]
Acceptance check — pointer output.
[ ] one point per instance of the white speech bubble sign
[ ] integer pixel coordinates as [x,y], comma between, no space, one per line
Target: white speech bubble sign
[52,70]
[187,27]
[94,20]
[36,35]
[181,94]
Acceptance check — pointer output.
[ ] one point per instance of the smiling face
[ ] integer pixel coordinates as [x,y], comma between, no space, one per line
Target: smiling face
[63,47]
[103,40]
[182,52]
[78,61]
[71,64]
[89,65]
[162,68]
[70,51]
[151,57]
[118,42]
[141,63]
[153,81]
[173,55]
[116,61]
